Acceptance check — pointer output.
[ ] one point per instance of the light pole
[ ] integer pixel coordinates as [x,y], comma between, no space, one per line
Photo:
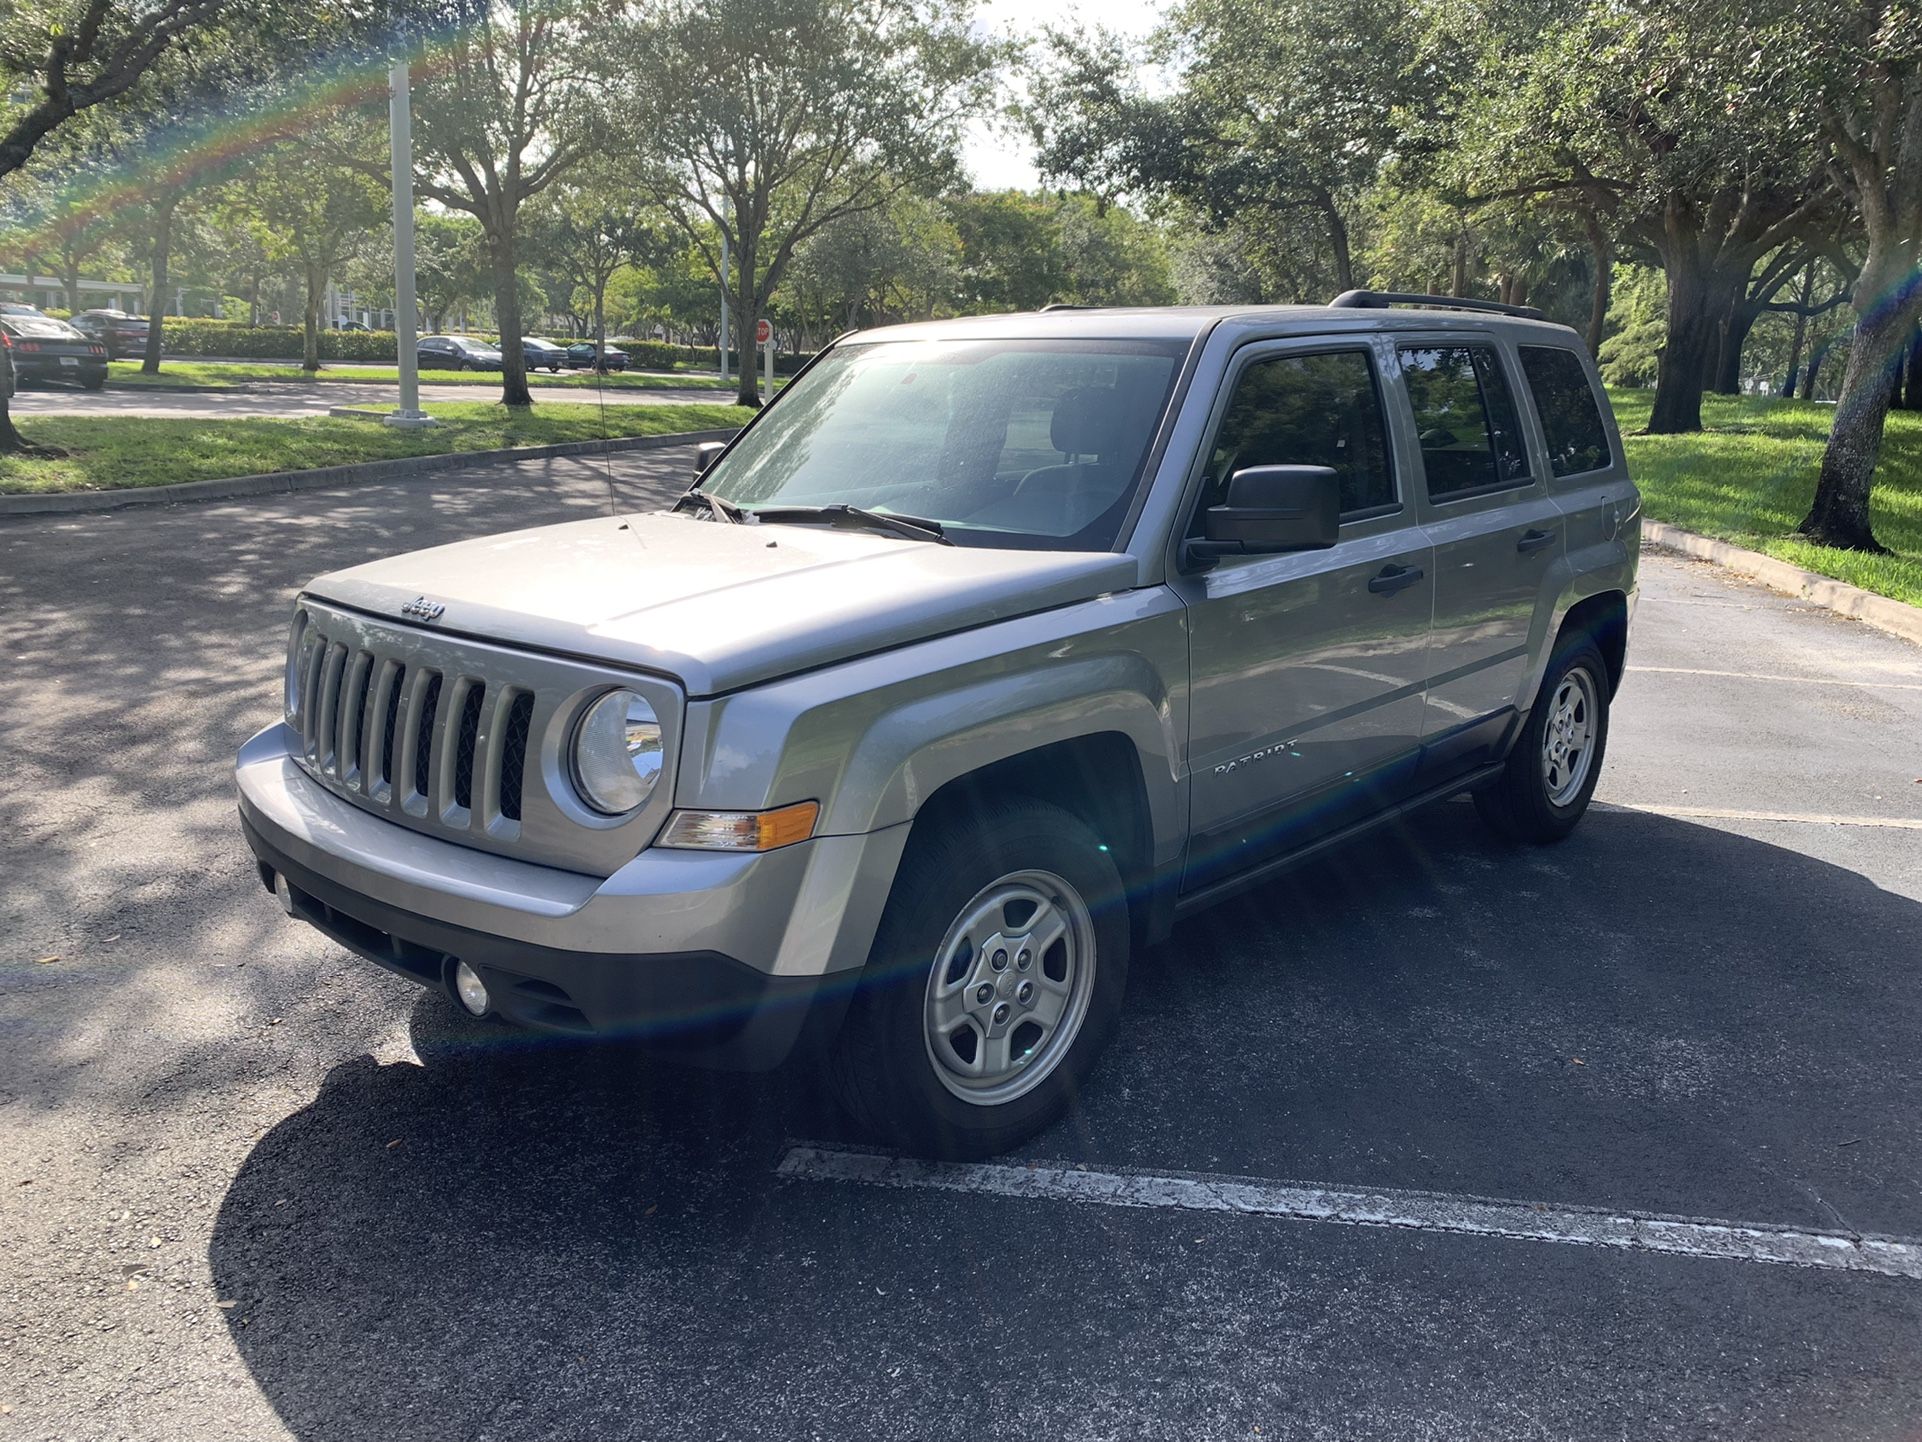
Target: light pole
[400,125]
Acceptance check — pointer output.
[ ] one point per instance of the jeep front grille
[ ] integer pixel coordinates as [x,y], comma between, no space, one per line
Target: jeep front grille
[442,734]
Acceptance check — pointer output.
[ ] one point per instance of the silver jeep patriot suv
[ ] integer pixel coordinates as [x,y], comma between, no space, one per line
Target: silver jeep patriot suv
[985,653]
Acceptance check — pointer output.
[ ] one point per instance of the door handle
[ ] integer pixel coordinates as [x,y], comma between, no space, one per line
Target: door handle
[1393,579]
[1534,541]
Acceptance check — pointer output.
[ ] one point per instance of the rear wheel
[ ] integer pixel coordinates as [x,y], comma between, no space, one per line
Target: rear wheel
[996,979]
[1545,788]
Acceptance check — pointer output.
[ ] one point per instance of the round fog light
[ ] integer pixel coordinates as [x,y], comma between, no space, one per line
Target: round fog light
[472,990]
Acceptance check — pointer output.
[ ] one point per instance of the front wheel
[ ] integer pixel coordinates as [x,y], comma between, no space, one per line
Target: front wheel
[996,978]
[1544,790]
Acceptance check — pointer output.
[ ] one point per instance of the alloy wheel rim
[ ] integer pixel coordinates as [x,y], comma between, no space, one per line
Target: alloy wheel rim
[1568,739]
[1009,987]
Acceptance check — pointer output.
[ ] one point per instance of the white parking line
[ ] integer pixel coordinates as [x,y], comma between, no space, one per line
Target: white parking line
[1411,1211]
[1791,680]
[1800,818]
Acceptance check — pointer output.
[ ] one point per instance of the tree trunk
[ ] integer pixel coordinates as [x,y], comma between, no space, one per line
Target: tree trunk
[747,315]
[1801,331]
[310,336]
[1816,357]
[600,323]
[1686,352]
[1602,293]
[1887,301]
[11,441]
[156,312]
[1734,339]
[507,314]
[1912,396]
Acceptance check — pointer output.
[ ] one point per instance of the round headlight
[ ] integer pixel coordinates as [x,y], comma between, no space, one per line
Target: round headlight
[617,753]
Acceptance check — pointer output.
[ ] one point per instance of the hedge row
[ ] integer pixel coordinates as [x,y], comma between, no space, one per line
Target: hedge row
[195,337]
[661,356]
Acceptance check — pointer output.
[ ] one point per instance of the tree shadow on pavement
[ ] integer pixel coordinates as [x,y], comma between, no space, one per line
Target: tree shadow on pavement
[527,1238]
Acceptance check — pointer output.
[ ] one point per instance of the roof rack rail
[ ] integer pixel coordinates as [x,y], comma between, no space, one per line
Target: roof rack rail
[1382,299]
[1064,305]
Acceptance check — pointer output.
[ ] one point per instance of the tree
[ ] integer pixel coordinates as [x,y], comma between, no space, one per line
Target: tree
[1662,119]
[589,229]
[1285,113]
[63,57]
[451,267]
[498,118]
[1010,251]
[764,121]
[313,211]
[1860,62]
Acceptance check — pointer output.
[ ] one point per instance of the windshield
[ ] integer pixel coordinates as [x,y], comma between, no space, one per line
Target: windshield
[1027,444]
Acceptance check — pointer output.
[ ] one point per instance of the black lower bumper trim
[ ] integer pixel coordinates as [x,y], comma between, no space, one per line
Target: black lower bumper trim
[706,1006]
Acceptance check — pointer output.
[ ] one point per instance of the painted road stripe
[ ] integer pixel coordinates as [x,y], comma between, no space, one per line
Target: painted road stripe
[1411,1211]
[1717,813]
[1758,676]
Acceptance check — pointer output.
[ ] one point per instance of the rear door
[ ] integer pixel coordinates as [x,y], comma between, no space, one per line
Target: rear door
[1306,669]
[1586,473]
[1495,531]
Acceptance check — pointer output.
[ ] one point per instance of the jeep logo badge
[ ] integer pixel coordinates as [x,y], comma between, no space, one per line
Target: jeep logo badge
[422,609]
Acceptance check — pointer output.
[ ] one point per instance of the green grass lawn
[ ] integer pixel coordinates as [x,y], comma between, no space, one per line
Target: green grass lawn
[1748,478]
[210,375]
[113,452]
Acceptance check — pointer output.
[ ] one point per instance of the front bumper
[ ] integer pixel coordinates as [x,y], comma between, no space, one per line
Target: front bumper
[733,959]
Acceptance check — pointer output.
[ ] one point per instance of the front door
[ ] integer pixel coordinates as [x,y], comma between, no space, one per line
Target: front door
[1306,669]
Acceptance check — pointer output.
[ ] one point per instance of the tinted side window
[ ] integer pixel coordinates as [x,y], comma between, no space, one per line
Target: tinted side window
[1571,421]
[1308,410]
[1465,418]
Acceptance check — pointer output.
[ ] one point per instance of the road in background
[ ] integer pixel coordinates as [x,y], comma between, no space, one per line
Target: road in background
[312,398]
[252,1186]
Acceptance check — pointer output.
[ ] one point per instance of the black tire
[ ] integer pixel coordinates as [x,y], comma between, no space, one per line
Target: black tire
[881,1067]
[1519,805]
[95,383]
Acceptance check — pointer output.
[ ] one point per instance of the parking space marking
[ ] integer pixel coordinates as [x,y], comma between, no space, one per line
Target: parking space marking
[1718,813]
[1760,676]
[1409,1211]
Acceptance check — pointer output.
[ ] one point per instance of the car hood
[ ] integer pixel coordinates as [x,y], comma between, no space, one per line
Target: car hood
[719,606]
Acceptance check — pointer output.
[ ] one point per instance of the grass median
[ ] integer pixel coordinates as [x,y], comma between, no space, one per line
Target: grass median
[1749,477]
[226,375]
[120,452]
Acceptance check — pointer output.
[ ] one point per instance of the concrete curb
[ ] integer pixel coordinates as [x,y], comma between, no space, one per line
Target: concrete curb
[1895,617]
[405,468]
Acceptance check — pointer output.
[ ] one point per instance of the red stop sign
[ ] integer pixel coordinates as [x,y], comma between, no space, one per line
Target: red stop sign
[763,332]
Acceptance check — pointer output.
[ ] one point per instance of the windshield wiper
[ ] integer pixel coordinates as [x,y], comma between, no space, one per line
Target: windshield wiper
[914,528]
[726,510]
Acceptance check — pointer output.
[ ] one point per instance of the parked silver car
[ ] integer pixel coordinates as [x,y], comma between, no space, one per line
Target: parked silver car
[987,651]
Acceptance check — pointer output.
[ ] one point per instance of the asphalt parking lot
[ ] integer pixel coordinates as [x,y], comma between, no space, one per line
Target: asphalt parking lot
[253,1188]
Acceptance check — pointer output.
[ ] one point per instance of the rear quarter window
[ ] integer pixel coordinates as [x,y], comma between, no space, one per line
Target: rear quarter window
[1571,415]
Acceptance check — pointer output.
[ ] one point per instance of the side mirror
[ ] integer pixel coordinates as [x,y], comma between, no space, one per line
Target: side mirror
[705,454]
[1270,509]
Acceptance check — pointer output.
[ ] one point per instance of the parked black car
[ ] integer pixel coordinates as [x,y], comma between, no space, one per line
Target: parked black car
[580,355]
[458,353]
[120,333]
[543,354]
[45,349]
